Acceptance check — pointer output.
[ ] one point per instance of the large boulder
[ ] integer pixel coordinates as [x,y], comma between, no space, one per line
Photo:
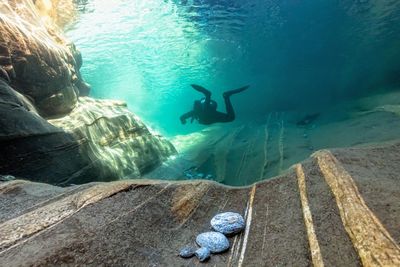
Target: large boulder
[39,78]
[97,141]
[114,139]
[40,62]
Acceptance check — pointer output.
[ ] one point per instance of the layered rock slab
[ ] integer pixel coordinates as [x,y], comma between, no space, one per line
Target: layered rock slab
[100,140]
[145,223]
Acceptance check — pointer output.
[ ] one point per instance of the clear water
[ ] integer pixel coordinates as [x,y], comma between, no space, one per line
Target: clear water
[296,55]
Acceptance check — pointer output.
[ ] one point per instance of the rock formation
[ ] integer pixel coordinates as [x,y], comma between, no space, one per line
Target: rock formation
[86,139]
[338,208]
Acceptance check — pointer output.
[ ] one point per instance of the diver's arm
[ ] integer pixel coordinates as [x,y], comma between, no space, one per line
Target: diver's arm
[186,116]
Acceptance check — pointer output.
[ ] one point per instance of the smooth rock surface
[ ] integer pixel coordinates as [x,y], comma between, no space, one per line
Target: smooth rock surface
[40,62]
[99,140]
[120,223]
[85,140]
[228,223]
[214,241]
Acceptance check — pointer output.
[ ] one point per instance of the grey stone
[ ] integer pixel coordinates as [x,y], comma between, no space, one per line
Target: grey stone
[187,252]
[203,254]
[214,241]
[228,223]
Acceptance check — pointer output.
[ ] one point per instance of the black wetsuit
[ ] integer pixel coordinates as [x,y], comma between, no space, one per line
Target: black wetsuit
[205,110]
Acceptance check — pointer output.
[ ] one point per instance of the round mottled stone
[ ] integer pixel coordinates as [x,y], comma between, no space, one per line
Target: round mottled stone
[228,223]
[187,252]
[214,241]
[202,253]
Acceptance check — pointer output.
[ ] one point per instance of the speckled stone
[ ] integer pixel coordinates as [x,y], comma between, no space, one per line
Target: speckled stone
[202,253]
[187,252]
[214,241]
[228,223]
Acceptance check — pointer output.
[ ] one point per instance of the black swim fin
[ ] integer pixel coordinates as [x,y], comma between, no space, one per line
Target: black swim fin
[201,89]
[235,91]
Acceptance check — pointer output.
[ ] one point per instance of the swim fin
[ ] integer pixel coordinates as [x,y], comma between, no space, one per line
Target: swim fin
[199,88]
[235,91]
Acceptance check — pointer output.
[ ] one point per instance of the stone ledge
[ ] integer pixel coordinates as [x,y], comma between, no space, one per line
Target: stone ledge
[145,222]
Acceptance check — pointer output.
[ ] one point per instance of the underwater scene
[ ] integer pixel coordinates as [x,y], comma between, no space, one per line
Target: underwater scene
[190,132]
[321,74]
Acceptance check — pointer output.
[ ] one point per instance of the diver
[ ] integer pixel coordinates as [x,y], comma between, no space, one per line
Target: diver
[205,109]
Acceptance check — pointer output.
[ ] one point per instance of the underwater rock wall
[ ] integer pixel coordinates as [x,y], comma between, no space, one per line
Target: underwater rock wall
[86,139]
[113,139]
[40,63]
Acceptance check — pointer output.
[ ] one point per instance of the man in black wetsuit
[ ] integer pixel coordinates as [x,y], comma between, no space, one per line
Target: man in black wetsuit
[205,110]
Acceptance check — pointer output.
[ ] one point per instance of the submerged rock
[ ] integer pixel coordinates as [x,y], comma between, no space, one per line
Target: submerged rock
[187,252]
[85,140]
[89,224]
[228,223]
[214,241]
[42,65]
[4,178]
[203,254]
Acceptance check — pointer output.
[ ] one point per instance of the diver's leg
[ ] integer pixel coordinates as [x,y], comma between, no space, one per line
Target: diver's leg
[230,113]
[235,91]
[203,90]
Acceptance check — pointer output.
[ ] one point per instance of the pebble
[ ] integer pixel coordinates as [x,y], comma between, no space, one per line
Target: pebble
[187,252]
[202,254]
[228,223]
[214,241]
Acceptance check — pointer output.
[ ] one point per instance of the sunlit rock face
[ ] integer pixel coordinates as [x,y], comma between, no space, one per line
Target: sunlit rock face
[97,141]
[56,12]
[40,63]
[113,138]
[85,139]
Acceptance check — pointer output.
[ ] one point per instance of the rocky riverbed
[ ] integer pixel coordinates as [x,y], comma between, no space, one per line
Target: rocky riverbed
[338,208]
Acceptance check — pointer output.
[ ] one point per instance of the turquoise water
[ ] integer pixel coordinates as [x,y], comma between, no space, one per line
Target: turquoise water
[322,74]
[294,54]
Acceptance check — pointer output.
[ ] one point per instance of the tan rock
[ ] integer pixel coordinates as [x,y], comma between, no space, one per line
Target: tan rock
[338,208]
